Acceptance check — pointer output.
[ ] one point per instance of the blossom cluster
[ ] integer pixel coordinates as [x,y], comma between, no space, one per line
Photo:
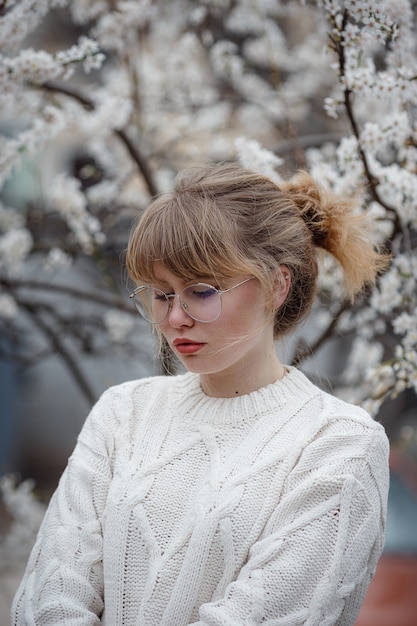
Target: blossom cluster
[45,127]
[405,364]
[67,199]
[99,118]
[378,161]
[119,325]
[21,19]
[114,27]
[402,300]
[15,246]
[26,514]
[253,156]
[144,87]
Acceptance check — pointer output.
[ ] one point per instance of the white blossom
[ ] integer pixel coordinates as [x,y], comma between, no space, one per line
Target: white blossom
[22,18]
[57,260]
[119,325]
[36,66]
[186,83]
[372,138]
[8,306]
[332,106]
[363,358]
[84,11]
[399,189]
[246,17]
[10,218]
[67,199]
[226,61]
[112,112]
[26,514]
[387,297]
[43,129]
[114,27]
[270,48]
[15,246]
[253,157]
[85,51]
[39,66]
[405,322]
[104,193]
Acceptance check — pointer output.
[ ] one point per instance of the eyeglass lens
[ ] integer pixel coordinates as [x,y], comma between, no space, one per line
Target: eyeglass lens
[202,302]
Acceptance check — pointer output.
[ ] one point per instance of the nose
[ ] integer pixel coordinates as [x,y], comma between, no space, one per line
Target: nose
[177,315]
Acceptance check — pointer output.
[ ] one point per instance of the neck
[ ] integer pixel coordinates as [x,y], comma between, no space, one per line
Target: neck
[232,384]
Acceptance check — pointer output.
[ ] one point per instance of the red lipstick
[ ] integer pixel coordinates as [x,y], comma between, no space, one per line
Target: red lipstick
[187,346]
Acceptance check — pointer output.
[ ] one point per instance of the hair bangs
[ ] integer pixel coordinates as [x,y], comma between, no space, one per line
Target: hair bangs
[192,239]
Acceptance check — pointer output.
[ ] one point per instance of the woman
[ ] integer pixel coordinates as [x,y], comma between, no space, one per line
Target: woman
[238,492]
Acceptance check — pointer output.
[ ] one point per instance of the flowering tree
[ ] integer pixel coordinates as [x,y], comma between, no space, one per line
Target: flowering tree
[102,101]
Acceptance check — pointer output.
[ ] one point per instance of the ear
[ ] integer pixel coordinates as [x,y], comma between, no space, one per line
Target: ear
[282,284]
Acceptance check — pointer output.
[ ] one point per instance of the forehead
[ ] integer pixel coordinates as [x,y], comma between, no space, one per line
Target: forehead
[163,275]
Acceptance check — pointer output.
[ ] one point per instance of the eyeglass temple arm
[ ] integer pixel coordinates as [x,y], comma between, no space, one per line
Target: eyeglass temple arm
[238,285]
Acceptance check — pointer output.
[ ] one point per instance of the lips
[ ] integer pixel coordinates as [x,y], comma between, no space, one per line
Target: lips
[187,346]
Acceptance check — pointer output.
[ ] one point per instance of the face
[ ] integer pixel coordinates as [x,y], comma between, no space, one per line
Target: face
[235,353]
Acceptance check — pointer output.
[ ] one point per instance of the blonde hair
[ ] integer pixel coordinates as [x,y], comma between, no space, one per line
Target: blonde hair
[222,221]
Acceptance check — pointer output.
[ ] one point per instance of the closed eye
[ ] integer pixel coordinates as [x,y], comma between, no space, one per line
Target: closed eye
[159,294]
[201,292]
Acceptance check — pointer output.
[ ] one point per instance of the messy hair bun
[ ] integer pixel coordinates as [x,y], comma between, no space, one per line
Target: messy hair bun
[222,221]
[336,226]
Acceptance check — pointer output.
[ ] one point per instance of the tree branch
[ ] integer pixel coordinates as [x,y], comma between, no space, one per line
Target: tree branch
[304,350]
[69,291]
[59,347]
[139,160]
[348,95]
[132,149]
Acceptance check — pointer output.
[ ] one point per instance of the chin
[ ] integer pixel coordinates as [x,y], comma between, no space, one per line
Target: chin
[197,366]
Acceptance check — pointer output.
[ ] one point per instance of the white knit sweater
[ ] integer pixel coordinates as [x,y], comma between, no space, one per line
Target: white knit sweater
[177,508]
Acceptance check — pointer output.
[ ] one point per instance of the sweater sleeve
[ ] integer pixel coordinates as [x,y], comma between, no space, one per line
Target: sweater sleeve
[63,582]
[320,548]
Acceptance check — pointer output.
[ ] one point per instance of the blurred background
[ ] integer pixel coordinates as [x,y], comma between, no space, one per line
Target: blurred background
[102,102]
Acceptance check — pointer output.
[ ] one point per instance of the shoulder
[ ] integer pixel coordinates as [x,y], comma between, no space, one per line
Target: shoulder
[122,408]
[352,422]
[345,449]
[343,438]
[153,385]
[334,415]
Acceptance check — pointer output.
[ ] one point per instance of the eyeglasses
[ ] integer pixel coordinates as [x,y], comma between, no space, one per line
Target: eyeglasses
[202,302]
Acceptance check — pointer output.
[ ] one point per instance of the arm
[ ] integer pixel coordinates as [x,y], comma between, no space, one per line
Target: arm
[63,582]
[319,550]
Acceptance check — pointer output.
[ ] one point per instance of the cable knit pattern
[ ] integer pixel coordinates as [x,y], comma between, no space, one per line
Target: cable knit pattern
[177,508]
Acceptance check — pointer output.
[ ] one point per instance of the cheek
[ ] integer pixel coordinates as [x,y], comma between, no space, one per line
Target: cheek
[162,332]
[246,322]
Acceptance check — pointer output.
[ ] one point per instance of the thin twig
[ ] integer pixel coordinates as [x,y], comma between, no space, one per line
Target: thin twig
[139,159]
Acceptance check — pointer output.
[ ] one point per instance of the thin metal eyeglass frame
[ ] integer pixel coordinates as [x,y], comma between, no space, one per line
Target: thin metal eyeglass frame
[183,303]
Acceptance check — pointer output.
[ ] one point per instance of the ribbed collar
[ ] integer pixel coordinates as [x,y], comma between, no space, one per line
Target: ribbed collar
[186,394]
